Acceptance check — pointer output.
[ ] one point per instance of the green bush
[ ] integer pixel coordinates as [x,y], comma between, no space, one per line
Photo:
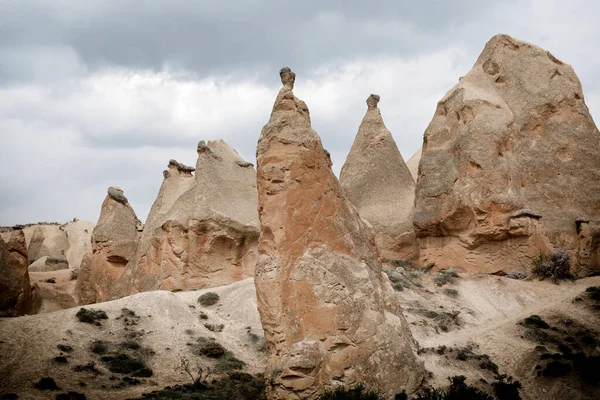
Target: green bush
[208,299]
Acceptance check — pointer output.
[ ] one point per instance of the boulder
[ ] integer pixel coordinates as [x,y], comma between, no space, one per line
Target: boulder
[511,160]
[114,244]
[16,295]
[378,183]
[202,230]
[329,313]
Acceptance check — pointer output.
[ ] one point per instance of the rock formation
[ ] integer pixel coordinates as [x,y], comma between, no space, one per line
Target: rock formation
[511,162]
[46,240]
[413,164]
[114,244]
[202,230]
[378,183]
[16,295]
[328,312]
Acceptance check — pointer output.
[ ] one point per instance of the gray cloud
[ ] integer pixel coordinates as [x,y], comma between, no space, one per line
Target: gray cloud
[101,93]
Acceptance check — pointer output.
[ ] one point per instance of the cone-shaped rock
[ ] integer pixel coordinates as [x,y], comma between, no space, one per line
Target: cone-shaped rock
[16,296]
[114,243]
[328,312]
[378,183]
[202,230]
[510,160]
[413,165]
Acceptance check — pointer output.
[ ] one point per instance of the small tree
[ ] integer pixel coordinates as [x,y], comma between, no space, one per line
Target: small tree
[196,372]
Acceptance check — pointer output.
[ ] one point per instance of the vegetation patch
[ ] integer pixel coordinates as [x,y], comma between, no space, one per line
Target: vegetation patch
[65,348]
[229,363]
[234,385]
[451,292]
[89,367]
[61,360]
[357,392]
[123,364]
[446,276]
[99,347]
[208,348]
[46,383]
[214,327]
[557,266]
[457,390]
[535,321]
[209,299]
[91,316]
[402,279]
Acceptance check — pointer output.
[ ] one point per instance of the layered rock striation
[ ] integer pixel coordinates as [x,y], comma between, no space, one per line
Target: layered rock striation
[510,164]
[378,183]
[329,314]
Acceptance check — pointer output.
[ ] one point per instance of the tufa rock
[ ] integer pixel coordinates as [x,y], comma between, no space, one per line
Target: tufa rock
[329,314]
[377,181]
[46,240]
[16,295]
[202,230]
[514,134]
[114,244]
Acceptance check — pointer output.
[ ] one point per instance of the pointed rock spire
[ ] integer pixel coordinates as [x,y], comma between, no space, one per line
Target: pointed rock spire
[329,314]
[378,183]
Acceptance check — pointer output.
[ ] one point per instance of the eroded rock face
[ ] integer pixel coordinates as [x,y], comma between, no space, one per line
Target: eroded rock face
[16,295]
[511,142]
[378,183]
[329,314]
[114,244]
[202,230]
[46,241]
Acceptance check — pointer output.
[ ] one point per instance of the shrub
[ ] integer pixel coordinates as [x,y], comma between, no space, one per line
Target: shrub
[90,316]
[46,384]
[208,299]
[505,388]
[64,347]
[123,364]
[445,276]
[209,348]
[74,274]
[99,347]
[71,396]
[228,363]
[557,266]
[458,390]
[451,292]
[61,360]
[535,321]
[516,275]
[214,327]
[89,367]
[357,392]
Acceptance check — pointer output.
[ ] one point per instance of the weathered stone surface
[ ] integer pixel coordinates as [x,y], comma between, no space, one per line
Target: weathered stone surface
[46,240]
[514,134]
[378,183]
[114,244]
[202,230]
[16,296]
[329,314]
[84,289]
[46,264]
[413,164]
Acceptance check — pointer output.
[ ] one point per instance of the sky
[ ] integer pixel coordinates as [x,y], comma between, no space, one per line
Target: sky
[101,93]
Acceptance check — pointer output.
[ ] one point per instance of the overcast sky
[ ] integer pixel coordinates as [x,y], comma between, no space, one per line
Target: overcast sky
[101,93]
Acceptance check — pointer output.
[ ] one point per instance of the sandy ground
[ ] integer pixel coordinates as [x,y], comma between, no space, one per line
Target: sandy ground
[483,314]
[167,323]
